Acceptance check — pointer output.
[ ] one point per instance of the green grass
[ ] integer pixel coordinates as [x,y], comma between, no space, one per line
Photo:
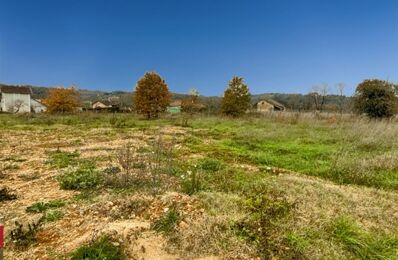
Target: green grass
[319,149]
[102,249]
[61,159]
[361,244]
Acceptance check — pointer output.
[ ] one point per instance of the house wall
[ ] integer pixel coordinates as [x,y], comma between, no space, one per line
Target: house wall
[37,107]
[11,101]
[264,106]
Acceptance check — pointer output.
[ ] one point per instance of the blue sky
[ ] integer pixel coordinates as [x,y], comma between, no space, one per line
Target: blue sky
[277,46]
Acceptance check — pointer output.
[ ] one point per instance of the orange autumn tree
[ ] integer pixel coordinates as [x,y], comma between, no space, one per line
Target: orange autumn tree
[61,100]
[151,95]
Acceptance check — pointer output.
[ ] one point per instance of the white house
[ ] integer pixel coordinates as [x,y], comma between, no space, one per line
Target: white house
[17,99]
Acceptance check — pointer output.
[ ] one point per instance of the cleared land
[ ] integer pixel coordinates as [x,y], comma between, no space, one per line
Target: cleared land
[283,185]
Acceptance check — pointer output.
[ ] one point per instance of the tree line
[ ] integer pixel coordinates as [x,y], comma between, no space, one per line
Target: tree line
[373,97]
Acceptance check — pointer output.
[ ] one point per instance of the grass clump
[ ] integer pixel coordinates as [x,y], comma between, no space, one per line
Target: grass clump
[61,159]
[80,179]
[39,207]
[361,244]
[167,223]
[210,164]
[99,249]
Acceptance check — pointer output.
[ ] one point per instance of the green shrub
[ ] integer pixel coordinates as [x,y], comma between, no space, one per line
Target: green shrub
[101,249]
[43,206]
[166,224]
[80,179]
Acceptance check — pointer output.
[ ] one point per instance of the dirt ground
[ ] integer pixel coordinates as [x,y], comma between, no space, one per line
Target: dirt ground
[25,153]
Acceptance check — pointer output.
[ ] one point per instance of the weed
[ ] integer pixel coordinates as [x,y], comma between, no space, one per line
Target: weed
[39,207]
[7,194]
[23,237]
[166,224]
[52,215]
[99,249]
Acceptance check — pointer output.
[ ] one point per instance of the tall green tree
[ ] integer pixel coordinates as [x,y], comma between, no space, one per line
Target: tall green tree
[151,95]
[236,100]
[376,98]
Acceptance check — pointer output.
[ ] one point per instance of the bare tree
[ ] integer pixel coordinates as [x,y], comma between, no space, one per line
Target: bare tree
[340,89]
[318,94]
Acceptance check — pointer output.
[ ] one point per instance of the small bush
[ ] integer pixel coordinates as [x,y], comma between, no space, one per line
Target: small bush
[62,159]
[166,224]
[7,194]
[23,237]
[43,206]
[80,179]
[100,249]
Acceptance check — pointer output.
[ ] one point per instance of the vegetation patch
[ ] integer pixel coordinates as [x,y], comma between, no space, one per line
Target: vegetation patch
[167,223]
[80,179]
[62,159]
[39,207]
[361,244]
[102,248]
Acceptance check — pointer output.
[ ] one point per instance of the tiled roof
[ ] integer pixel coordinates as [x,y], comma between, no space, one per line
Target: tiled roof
[15,89]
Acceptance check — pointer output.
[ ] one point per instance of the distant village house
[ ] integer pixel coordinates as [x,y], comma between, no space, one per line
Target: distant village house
[175,107]
[106,105]
[268,105]
[18,99]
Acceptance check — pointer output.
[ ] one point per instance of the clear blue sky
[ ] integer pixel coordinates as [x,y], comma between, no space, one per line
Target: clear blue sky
[277,46]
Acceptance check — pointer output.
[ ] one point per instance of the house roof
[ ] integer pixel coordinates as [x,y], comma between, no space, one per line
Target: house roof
[176,103]
[273,102]
[15,89]
[105,102]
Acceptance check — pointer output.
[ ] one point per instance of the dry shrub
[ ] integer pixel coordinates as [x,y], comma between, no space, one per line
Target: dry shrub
[139,167]
[208,236]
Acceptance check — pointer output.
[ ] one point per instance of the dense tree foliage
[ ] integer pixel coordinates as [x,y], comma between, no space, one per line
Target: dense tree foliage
[236,100]
[376,98]
[61,100]
[152,95]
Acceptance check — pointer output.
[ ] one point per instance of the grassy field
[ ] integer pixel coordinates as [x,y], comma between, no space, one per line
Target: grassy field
[283,185]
